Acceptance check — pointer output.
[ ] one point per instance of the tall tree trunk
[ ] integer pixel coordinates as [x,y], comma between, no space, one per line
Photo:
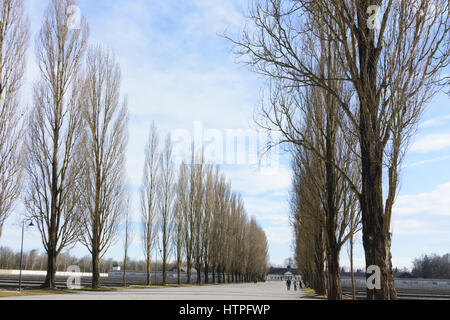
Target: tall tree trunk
[334,285]
[50,278]
[95,269]
[333,275]
[179,270]
[50,281]
[391,279]
[149,268]
[199,275]
[372,152]
[206,271]
[372,220]
[188,266]
[124,274]
[371,201]
[164,270]
[352,274]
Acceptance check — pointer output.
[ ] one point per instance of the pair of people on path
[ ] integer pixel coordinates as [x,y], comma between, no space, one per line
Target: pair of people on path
[288,284]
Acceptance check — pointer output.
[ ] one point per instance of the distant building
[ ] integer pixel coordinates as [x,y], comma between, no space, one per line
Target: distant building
[116,267]
[282,274]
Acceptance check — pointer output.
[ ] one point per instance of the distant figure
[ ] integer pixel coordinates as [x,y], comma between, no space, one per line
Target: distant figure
[295,285]
[300,284]
[288,284]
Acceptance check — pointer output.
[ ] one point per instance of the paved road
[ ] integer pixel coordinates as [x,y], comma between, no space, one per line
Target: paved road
[260,291]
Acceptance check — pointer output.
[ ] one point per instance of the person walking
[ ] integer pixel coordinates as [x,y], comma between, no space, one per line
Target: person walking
[295,285]
[288,284]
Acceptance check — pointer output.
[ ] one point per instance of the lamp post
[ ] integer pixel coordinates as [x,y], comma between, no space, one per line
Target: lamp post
[160,251]
[21,252]
[156,266]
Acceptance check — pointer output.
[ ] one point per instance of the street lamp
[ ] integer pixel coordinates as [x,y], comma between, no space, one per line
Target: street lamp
[156,266]
[160,251]
[21,252]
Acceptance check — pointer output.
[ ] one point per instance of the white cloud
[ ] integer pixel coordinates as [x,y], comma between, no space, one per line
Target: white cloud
[431,142]
[218,15]
[266,207]
[434,160]
[436,122]
[253,181]
[434,203]
[417,227]
[279,235]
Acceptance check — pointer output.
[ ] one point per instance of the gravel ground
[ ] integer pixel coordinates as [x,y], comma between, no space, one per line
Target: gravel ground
[260,291]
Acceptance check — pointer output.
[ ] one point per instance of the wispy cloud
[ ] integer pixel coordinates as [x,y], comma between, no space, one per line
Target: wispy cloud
[434,160]
[420,226]
[252,181]
[436,122]
[279,235]
[431,142]
[433,203]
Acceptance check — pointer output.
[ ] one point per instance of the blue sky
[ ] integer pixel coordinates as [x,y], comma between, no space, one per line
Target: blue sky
[176,70]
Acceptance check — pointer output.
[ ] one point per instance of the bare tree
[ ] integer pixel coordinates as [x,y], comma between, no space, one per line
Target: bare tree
[393,69]
[149,210]
[102,188]
[307,217]
[198,213]
[181,211]
[207,218]
[14,34]
[127,239]
[54,131]
[166,204]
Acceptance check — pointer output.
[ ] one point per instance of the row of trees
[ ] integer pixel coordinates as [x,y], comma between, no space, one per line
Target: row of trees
[76,142]
[432,267]
[192,215]
[36,261]
[324,210]
[70,147]
[346,94]
[72,158]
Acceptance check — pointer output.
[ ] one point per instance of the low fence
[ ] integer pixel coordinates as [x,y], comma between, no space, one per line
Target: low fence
[44,273]
[404,283]
[170,275]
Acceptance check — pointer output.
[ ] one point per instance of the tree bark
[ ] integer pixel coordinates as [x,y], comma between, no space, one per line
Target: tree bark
[95,269]
[50,278]
[149,269]
[179,270]
[188,266]
[334,285]
[164,268]
[206,271]
[199,275]
[352,274]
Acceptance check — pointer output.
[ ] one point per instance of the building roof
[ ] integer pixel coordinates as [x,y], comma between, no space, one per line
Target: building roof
[283,271]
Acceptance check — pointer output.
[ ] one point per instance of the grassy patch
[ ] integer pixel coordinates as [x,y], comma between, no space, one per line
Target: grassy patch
[144,287]
[311,293]
[31,292]
[101,289]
